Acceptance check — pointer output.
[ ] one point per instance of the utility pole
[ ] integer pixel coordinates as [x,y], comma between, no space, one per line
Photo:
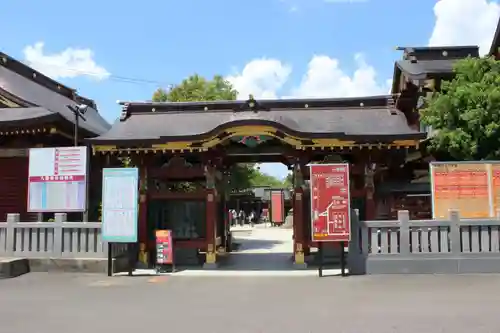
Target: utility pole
[79,111]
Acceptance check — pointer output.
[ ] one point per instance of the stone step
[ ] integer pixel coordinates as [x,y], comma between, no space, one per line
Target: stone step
[12,267]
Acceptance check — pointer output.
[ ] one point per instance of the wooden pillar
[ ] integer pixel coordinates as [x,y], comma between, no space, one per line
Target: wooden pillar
[298,228]
[370,206]
[225,244]
[211,212]
[145,245]
[299,241]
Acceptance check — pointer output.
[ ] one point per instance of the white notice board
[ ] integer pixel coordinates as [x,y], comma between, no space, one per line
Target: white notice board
[120,192]
[57,179]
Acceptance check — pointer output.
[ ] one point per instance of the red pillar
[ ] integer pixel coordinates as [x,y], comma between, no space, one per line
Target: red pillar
[370,207]
[145,245]
[211,211]
[299,241]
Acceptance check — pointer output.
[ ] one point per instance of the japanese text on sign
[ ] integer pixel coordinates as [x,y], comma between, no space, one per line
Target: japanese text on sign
[57,179]
[330,202]
[119,204]
[472,188]
[164,250]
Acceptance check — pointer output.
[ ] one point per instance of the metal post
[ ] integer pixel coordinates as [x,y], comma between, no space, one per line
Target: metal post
[342,259]
[75,134]
[110,259]
[79,111]
[320,252]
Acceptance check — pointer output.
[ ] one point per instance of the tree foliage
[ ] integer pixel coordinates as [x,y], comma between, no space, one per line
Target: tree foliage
[288,181]
[465,114]
[197,88]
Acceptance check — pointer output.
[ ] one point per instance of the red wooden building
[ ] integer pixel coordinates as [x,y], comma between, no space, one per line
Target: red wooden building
[34,113]
[184,152]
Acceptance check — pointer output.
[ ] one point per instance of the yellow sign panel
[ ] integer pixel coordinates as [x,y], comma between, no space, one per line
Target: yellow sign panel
[466,187]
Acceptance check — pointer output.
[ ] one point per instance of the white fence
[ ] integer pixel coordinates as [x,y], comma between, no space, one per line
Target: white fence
[58,239]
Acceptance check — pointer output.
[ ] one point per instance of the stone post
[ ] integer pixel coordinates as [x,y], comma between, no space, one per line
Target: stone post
[456,248]
[12,219]
[404,232]
[355,258]
[59,220]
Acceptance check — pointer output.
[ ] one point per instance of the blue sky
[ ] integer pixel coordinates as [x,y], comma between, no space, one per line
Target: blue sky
[111,50]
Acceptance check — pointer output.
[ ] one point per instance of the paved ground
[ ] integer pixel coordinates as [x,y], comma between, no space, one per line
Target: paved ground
[45,303]
[49,303]
[261,248]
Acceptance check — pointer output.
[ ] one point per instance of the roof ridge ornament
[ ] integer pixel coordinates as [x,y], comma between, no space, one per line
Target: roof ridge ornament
[391,105]
[252,105]
[125,112]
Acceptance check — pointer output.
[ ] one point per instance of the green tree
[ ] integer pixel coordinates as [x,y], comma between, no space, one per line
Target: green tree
[288,181]
[465,114]
[262,179]
[196,88]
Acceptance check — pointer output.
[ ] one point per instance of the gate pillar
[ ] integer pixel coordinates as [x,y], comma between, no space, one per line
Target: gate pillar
[145,245]
[211,216]
[299,235]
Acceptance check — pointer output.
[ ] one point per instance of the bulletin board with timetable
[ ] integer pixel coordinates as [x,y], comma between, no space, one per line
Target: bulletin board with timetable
[120,192]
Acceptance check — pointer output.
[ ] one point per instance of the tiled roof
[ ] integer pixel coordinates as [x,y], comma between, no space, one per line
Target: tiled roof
[34,88]
[354,118]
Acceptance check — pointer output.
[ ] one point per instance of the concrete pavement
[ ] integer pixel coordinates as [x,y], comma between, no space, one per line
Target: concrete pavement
[48,303]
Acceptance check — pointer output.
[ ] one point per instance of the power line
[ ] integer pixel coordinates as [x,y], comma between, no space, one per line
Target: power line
[118,78]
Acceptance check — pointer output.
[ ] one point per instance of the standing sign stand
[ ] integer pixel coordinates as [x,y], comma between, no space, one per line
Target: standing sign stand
[330,209]
[164,252]
[120,192]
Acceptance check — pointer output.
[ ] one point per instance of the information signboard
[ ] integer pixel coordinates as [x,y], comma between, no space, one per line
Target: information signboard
[330,202]
[57,179]
[120,191]
[277,206]
[164,247]
[472,188]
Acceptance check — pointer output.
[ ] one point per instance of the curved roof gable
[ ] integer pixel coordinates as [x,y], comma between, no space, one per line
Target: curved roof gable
[37,89]
[353,118]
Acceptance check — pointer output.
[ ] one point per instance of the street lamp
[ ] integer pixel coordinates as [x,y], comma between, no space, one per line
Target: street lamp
[78,111]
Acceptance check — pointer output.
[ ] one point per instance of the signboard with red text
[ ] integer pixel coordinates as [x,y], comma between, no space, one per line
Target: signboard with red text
[164,249]
[57,179]
[472,188]
[330,203]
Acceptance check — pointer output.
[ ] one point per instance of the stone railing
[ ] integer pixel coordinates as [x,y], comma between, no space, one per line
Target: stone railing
[55,240]
[425,246]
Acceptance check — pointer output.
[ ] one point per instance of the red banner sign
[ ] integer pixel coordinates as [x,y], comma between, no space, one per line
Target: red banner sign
[330,203]
[277,206]
[164,247]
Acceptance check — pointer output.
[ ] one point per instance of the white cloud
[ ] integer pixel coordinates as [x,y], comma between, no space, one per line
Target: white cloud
[262,78]
[69,63]
[325,78]
[465,22]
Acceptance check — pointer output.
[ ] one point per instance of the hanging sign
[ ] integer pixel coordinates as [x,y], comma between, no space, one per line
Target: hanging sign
[164,247]
[120,191]
[330,202]
[57,179]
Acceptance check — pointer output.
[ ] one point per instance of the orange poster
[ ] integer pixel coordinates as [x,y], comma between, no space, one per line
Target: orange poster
[462,186]
[495,187]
